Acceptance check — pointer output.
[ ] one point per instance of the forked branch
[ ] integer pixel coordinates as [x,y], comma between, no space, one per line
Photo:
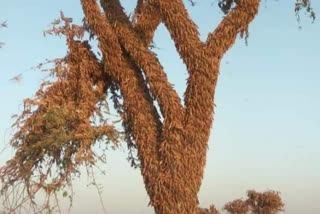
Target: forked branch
[182,29]
[163,91]
[144,123]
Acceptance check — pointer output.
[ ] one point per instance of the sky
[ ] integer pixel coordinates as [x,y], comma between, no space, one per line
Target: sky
[266,131]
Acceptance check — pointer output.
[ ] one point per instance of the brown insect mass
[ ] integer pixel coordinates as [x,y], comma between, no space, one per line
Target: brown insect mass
[55,132]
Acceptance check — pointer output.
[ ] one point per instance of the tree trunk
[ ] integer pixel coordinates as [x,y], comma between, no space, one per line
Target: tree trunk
[172,152]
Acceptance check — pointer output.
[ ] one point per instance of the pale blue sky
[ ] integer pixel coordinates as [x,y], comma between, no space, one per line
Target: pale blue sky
[266,133]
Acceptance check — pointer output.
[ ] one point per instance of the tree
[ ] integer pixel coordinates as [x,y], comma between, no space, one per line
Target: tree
[56,132]
[258,203]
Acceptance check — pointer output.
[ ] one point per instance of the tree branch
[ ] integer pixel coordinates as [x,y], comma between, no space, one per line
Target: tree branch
[145,21]
[163,91]
[237,21]
[143,123]
[182,29]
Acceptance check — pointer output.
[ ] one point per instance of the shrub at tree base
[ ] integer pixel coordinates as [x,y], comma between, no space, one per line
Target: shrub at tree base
[257,203]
